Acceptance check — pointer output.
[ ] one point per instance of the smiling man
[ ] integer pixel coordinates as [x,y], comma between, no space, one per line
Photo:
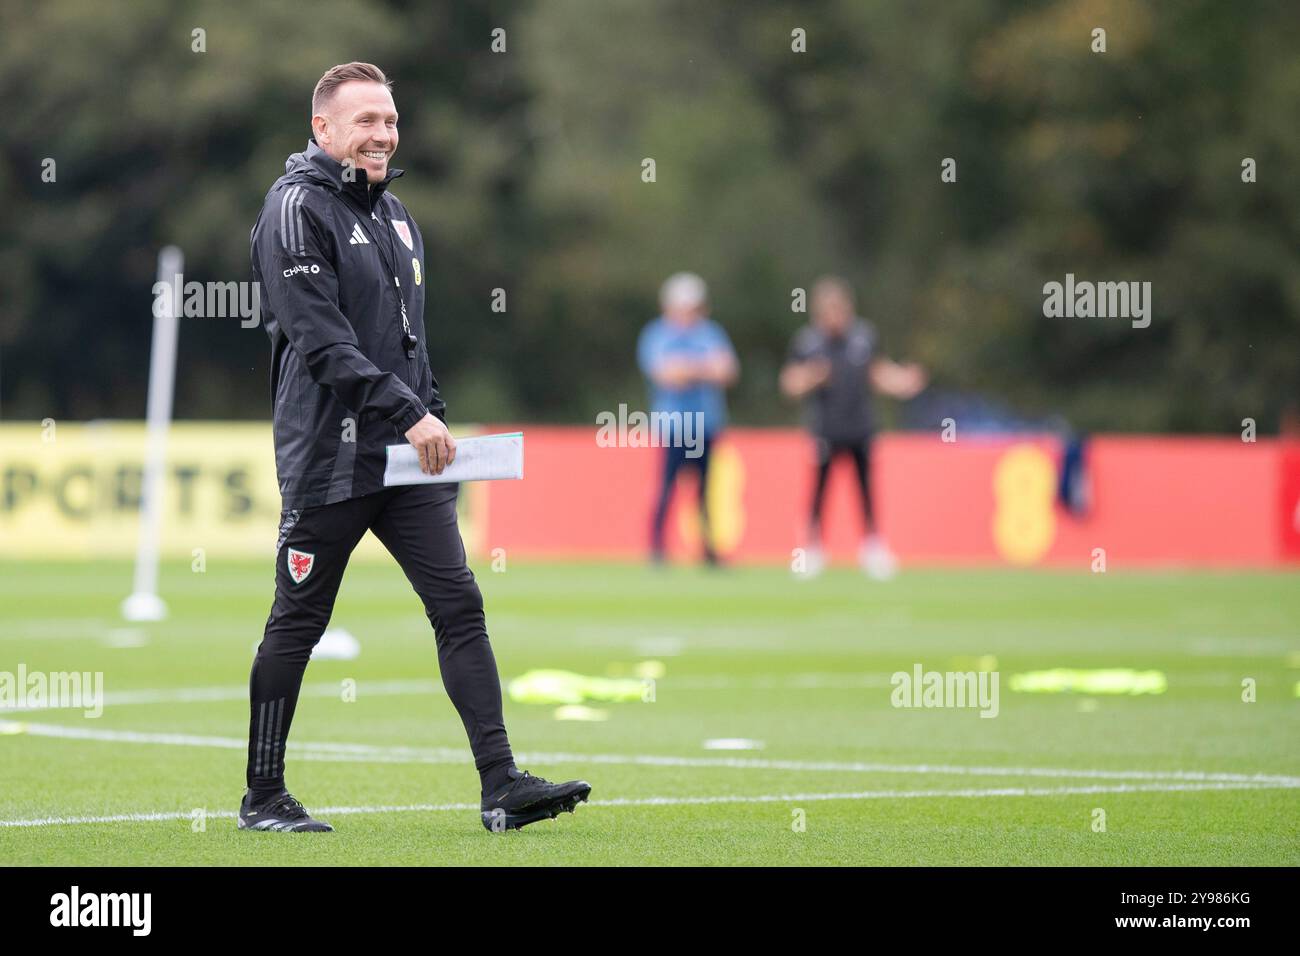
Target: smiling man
[341,267]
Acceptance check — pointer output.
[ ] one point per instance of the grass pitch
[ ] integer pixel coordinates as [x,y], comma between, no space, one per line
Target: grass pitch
[1193,776]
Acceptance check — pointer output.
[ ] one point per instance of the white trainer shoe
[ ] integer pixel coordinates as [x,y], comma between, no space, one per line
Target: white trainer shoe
[876,559]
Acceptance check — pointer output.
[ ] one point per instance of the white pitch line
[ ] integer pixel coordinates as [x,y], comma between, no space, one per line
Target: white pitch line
[759,763]
[367,753]
[321,750]
[681,801]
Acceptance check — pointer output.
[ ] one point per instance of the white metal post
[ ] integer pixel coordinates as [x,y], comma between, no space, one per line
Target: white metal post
[144,604]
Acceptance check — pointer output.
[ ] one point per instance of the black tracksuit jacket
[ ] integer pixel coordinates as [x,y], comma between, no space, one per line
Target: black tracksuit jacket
[342,298]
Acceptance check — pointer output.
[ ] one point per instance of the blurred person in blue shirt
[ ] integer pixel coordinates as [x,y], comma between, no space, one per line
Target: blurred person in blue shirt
[690,363]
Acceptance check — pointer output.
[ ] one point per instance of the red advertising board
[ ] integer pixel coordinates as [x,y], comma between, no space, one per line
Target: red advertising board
[1155,501]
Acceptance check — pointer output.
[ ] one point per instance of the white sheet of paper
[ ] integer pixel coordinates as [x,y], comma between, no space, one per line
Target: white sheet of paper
[479,458]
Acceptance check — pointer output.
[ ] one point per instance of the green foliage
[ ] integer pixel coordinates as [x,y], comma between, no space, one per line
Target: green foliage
[525,172]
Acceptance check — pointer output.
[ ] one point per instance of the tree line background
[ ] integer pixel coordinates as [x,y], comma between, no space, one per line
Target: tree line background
[524,172]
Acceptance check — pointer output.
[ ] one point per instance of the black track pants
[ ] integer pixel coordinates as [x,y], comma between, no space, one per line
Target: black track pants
[827,451]
[417,524]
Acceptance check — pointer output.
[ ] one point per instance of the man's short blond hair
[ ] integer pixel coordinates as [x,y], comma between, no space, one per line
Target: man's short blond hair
[336,76]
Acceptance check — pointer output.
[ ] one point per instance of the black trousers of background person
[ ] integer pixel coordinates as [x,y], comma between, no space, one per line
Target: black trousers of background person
[675,458]
[858,449]
[417,524]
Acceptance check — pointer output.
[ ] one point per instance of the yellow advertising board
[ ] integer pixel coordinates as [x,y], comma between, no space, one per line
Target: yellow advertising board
[73,491]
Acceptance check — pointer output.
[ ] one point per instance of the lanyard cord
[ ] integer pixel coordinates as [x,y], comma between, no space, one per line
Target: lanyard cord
[408,339]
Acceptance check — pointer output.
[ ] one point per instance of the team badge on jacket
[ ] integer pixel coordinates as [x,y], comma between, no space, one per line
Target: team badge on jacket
[300,565]
[404,231]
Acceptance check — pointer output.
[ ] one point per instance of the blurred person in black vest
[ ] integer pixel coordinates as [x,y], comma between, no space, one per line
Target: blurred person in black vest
[833,366]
